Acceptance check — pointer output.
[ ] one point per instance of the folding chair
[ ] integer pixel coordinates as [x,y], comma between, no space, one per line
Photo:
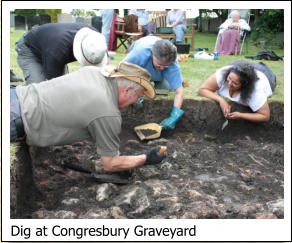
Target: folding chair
[244,14]
[127,32]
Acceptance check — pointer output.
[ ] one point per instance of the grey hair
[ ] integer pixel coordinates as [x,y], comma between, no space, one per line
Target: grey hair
[164,51]
[234,12]
[123,82]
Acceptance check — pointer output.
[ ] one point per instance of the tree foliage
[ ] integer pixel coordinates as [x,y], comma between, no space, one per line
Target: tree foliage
[53,13]
[271,20]
[77,12]
[267,24]
[90,13]
[31,12]
[222,14]
[82,13]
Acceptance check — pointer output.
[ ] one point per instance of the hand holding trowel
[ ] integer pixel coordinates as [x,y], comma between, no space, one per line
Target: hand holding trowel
[226,111]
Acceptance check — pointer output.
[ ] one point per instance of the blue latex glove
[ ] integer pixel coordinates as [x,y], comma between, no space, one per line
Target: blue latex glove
[175,115]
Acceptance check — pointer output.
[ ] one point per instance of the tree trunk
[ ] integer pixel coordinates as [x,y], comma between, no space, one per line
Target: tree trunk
[200,20]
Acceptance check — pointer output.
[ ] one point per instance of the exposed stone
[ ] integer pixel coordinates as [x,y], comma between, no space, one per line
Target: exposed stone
[103,192]
[209,137]
[189,215]
[95,213]
[117,213]
[70,201]
[277,207]
[247,209]
[62,214]
[266,216]
[247,188]
[172,217]
[168,199]
[136,197]
[245,177]
[161,188]
[175,208]
[203,210]
[73,191]
[141,204]
[160,141]
[149,172]
[39,214]
[166,166]
[158,217]
[211,178]
[174,154]
[127,196]
[230,146]
[194,193]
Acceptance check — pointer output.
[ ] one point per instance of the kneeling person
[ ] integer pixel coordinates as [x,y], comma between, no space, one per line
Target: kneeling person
[158,57]
[82,105]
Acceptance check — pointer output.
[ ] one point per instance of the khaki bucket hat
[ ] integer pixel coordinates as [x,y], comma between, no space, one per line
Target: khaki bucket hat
[89,48]
[132,72]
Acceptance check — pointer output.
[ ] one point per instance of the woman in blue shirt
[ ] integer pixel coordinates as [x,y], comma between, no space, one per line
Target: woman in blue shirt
[158,57]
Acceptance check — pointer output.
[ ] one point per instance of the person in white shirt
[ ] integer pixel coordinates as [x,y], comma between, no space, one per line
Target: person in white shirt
[230,33]
[249,84]
[234,22]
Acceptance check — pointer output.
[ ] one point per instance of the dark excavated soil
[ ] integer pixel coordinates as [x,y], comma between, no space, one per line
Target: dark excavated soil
[208,173]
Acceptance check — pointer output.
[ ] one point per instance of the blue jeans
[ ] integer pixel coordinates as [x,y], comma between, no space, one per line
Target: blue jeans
[179,31]
[15,113]
[107,18]
[31,65]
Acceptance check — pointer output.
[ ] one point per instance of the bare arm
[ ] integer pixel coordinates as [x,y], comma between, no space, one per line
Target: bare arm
[261,115]
[178,97]
[208,89]
[120,163]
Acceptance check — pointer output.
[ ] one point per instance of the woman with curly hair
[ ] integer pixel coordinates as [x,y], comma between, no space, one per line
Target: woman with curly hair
[249,84]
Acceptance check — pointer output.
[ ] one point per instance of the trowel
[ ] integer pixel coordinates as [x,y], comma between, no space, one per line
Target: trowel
[148,131]
[224,124]
[105,178]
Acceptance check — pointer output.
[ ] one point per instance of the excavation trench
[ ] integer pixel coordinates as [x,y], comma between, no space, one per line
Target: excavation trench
[208,173]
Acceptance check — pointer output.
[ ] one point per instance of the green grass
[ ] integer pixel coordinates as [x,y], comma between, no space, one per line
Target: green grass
[195,72]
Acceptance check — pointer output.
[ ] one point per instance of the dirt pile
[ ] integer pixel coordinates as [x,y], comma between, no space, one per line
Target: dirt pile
[208,173]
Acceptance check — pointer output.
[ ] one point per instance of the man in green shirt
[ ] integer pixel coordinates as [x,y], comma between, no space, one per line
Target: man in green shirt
[82,105]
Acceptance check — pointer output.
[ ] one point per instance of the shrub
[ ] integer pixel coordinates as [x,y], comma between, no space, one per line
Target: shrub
[267,25]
